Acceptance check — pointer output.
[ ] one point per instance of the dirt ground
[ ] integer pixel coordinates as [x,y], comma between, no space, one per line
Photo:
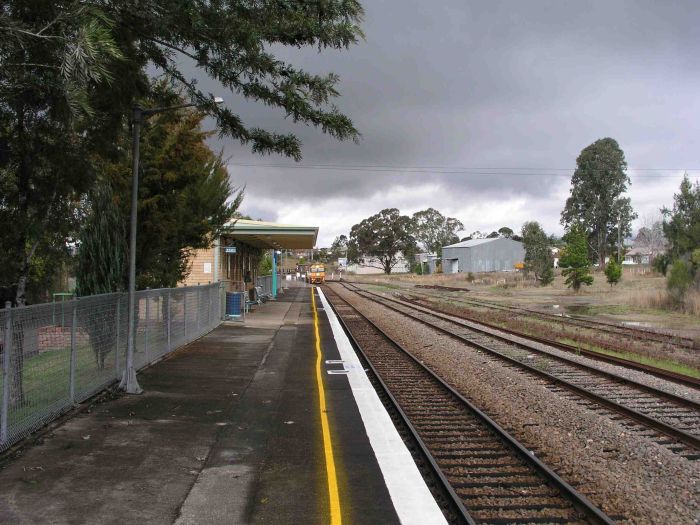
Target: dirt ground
[634,301]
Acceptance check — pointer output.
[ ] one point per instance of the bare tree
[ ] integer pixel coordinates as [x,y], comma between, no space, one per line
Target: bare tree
[651,235]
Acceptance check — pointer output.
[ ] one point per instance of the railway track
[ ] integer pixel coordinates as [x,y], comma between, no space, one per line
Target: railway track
[658,372]
[670,420]
[638,333]
[493,478]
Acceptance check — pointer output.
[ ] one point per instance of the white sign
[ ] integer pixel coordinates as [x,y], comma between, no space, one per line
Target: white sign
[342,262]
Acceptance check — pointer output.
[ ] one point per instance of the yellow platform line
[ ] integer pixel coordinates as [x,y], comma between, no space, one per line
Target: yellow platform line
[325,427]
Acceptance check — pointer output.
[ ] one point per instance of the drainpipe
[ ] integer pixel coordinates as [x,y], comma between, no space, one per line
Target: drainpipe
[217,249]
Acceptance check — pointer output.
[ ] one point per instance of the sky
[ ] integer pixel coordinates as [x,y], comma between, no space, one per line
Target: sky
[480,108]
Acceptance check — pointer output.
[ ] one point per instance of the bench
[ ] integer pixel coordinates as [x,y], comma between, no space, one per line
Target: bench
[260,298]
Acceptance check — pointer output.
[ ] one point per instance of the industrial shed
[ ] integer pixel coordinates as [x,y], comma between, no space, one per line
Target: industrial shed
[482,255]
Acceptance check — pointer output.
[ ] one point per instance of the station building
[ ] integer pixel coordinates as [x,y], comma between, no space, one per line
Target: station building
[235,256]
[483,255]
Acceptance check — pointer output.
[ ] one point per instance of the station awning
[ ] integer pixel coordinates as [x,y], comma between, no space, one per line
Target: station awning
[271,235]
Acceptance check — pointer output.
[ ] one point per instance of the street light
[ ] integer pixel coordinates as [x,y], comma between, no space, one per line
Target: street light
[128,382]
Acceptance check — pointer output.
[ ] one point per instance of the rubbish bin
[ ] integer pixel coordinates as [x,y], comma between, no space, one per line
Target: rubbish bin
[234,304]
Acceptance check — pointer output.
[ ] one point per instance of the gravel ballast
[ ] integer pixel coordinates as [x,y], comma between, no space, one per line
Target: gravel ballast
[623,473]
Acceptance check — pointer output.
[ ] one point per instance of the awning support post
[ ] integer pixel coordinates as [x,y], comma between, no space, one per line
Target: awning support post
[274,274]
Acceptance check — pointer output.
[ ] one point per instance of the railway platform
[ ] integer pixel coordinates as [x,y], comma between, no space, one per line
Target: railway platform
[267,421]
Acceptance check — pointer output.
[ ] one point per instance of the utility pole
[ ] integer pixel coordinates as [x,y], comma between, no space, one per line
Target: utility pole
[128,381]
[619,239]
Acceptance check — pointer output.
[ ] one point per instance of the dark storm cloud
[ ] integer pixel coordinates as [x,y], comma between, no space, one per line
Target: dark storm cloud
[492,84]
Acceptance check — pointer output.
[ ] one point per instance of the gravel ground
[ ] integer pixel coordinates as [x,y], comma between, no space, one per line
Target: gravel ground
[624,474]
[652,349]
[635,375]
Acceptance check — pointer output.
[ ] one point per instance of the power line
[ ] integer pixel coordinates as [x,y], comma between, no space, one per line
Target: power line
[456,170]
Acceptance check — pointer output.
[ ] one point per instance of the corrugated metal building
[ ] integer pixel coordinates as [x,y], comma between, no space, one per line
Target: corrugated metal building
[482,255]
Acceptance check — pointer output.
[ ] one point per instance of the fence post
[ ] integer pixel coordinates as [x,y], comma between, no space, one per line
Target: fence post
[73,350]
[145,336]
[116,349]
[167,311]
[209,294]
[199,309]
[6,351]
[184,315]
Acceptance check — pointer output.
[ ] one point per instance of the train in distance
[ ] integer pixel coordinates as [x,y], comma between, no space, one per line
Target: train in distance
[317,274]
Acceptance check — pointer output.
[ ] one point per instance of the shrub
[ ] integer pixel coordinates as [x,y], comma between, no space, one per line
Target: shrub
[660,263]
[575,261]
[265,267]
[613,272]
[679,280]
[547,276]
[470,277]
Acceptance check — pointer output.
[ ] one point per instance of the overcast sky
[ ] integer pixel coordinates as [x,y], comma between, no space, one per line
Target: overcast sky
[480,108]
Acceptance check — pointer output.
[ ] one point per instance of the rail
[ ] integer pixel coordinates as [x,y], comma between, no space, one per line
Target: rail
[579,379]
[433,410]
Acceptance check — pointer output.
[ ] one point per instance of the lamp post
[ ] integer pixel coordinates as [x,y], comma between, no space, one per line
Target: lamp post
[129,382]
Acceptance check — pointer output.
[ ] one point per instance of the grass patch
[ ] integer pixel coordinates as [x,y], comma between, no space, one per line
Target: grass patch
[46,382]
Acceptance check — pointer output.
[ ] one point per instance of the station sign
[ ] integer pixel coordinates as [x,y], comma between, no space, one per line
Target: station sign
[229,249]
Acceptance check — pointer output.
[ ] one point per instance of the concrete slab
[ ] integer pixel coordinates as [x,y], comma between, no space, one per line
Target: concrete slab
[228,431]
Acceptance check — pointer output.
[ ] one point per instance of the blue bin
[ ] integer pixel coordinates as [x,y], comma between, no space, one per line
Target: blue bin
[234,303]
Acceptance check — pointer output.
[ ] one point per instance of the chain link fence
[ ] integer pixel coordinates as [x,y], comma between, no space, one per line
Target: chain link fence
[56,355]
[264,283]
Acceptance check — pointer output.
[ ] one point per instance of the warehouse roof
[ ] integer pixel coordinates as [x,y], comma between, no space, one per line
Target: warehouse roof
[271,235]
[473,242]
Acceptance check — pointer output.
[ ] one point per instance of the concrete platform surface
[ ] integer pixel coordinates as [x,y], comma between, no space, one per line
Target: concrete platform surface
[227,431]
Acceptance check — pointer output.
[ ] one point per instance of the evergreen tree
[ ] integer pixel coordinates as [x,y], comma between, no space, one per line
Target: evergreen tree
[680,278]
[102,251]
[575,259]
[613,272]
[682,224]
[547,276]
[185,199]
[596,201]
[72,70]
[339,247]
[506,232]
[433,230]
[383,237]
[538,256]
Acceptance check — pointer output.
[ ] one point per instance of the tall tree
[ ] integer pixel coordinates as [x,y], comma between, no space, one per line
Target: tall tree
[506,232]
[383,237]
[58,110]
[433,230]
[339,247]
[54,56]
[682,224]
[596,201]
[575,259]
[538,256]
[185,198]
